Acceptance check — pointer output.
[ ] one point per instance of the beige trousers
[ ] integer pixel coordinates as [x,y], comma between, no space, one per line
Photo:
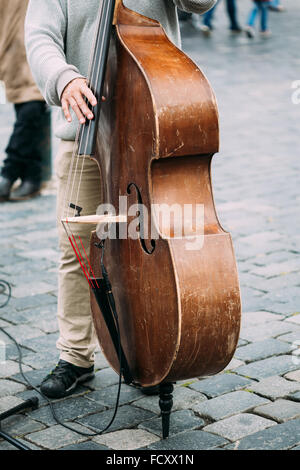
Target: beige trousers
[77,340]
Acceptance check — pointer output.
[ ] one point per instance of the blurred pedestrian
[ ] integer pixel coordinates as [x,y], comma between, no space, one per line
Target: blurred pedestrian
[260,6]
[231,8]
[23,158]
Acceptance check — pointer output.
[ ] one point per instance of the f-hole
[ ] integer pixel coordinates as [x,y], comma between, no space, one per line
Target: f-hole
[147,250]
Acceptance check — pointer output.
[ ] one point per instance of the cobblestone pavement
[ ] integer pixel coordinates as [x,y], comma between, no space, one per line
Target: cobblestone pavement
[254,403]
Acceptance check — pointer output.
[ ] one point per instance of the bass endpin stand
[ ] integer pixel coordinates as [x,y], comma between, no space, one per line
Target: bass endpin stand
[32,403]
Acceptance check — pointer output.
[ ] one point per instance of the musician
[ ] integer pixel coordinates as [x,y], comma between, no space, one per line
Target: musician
[59,34]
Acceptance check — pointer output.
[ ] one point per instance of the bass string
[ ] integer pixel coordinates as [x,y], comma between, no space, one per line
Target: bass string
[79,137]
[86,270]
[95,84]
[106,20]
[73,168]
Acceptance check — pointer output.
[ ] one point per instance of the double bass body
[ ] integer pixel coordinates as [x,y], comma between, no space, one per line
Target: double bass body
[178,308]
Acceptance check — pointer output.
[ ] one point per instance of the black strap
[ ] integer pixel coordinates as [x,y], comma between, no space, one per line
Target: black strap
[103,293]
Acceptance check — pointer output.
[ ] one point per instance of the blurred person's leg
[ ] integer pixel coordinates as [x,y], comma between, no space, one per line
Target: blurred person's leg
[251,20]
[208,17]
[24,159]
[206,25]
[264,20]
[253,14]
[232,13]
[183,15]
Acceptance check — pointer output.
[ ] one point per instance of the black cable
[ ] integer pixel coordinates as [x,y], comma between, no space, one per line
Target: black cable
[5,285]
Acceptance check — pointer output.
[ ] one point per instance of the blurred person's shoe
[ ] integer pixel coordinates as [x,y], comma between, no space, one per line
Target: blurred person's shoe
[265,34]
[64,378]
[250,31]
[206,30]
[5,187]
[278,8]
[196,22]
[236,30]
[26,190]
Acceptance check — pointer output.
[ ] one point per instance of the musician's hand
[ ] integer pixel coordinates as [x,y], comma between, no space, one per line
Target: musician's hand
[73,95]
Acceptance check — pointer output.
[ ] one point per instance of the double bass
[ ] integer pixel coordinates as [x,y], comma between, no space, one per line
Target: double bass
[177,297]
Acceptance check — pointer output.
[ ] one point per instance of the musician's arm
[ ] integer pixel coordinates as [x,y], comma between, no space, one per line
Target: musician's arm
[60,83]
[195,6]
[45,29]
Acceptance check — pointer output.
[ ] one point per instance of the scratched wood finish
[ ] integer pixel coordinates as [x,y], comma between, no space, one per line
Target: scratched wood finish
[179,309]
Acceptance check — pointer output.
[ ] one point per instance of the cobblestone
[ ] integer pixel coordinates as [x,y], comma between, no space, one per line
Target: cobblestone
[41,343]
[108,395]
[294,319]
[274,387]
[273,329]
[57,436]
[8,387]
[294,396]
[289,338]
[220,384]
[281,437]
[281,410]
[127,439]
[239,426]
[262,349]
[293,375]
[67,410]
[180,421]
[23,333]
[87,446]
[9,402]
[183,398]
[191,440]
[103,378]
[277,365]
[127,417]
[259,318]
[256,190]
[228,405]
[9,368]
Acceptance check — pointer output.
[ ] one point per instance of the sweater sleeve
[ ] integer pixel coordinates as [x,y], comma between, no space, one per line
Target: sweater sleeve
[195,6]
[45,29]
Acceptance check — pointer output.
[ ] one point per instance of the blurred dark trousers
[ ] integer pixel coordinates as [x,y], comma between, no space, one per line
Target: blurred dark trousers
[232,13]
[24,156]
[183,15]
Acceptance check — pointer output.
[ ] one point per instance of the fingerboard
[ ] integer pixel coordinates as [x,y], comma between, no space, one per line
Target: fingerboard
[88,131]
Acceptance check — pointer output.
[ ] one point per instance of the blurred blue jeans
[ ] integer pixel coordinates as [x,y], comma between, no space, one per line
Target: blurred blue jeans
[275,3]
[261,7]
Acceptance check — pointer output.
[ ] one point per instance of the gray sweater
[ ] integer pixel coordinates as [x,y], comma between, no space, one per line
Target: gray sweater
[59,36]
